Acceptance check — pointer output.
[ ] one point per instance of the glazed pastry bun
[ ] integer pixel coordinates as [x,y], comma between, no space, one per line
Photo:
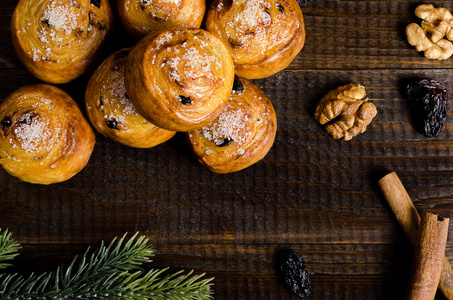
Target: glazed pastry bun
[242,134]
[112,113]
[263,36]
[179,79]
[44,137]
[140,17]
[58,40]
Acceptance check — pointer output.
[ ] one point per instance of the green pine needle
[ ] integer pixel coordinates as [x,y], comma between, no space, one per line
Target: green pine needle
[8,249]
[174,286]
[106,274]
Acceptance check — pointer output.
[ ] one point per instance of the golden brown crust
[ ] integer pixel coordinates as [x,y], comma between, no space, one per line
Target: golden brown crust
[263,36]
[44,137]
[241,136]
[58,40]
[140,17]
[111,112]
[179,79]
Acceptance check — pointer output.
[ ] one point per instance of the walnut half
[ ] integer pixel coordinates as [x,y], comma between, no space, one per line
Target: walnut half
[435,34]
[346,111]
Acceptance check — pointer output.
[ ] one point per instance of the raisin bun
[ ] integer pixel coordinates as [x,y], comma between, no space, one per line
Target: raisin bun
[111,111]
[140,17]
[242,134]
[44,137]
[263,36]
[179,79]
[58,40]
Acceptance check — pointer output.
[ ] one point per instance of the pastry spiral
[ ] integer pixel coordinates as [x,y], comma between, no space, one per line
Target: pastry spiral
[44,137]
[58,40]
[112,113]
[242,134]
[140,17]
[263,36]
[179,79]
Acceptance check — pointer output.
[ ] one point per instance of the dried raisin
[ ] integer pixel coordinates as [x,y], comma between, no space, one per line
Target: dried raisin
[184,100]
[96,3]
[112,123]
[6,122]
[428,101]
[238,87]
[225,142]
[293,272]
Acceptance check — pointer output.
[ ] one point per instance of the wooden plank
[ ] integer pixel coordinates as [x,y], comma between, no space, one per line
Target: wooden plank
[311,193]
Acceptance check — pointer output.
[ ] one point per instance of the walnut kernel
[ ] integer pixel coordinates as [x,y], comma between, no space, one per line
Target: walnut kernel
[347,111]
[430,37]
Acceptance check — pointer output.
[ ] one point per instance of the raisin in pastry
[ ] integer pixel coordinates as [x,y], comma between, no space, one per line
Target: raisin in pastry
[140,17]
[58,40]
[44,137]
[111,111]
[263,36]
[179,79]
[242,134]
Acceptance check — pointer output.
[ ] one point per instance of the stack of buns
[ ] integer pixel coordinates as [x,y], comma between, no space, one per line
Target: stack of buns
[177,78]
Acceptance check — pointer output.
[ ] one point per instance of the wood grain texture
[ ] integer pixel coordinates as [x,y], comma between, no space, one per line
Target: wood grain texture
[311,193]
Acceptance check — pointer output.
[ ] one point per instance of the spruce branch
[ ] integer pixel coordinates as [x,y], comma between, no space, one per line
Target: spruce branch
[78,277]
[8,248]
[176,286]
[106,274]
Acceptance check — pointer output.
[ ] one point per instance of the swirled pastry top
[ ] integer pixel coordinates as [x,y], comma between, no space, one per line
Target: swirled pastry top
[263,36]
[140,17]
[179,79]
[44,137]
[242,134]
[112,113]
[58,40]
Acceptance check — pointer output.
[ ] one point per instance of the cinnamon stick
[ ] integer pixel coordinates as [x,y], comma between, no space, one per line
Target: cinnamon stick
[409,220]
[428,257]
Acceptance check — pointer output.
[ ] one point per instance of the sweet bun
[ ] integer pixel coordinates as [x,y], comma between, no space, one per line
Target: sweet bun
[58,40]
[140,17]
[242,134]
[44,137]
[112,113]
[179,79]
[263,36]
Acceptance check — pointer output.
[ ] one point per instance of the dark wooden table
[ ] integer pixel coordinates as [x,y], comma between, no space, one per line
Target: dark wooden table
[311,193]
